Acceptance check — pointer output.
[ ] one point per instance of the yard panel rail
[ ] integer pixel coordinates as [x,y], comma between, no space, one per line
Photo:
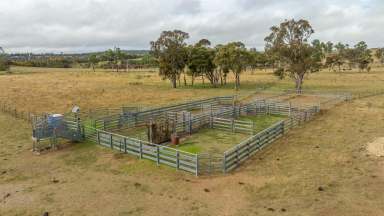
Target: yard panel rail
[233,125]
[242,151]
[145,150]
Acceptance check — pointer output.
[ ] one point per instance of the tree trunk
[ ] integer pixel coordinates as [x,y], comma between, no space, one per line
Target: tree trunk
[93,67]
[193,79]
[178,80]
[237,81]
[185,80]
[221,77]
[299,84]
[173,82]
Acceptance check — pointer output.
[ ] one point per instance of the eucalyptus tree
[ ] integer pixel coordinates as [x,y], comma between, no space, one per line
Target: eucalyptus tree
[296,56]
[200,62]
[362,56]
[258,59]
[380,55]
[4,62]
[93,59]
[320,47]
[234,57]
[222,62]
[170,50]
[110,57]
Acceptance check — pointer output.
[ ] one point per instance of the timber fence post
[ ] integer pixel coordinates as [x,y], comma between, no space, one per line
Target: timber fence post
[197,164]
[158,155]
[177,159]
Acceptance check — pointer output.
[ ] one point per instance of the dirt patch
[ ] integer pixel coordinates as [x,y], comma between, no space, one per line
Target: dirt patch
[376,147]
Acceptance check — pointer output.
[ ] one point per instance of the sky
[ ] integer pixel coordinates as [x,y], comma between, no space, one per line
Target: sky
[95,25]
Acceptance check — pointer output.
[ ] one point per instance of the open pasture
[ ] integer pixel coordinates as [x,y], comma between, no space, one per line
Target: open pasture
[317,169]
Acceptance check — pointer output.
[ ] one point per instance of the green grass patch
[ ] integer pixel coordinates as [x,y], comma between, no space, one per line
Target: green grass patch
[210,141]
[134,132]
[263,121]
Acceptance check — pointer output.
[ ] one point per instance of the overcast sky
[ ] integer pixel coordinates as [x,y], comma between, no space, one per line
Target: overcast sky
[93,25]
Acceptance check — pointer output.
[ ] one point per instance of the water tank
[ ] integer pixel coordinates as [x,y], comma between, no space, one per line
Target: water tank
[55,120]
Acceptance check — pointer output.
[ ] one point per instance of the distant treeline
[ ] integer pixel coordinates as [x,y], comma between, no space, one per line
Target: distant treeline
[110,59]
[289,51]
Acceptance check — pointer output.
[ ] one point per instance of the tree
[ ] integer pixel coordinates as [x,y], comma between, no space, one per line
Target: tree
[328,47]
[362,56]
[203,43]
[171,53]
[319,53]
[233,56]
[200,62]
[93,60]
[221,60]
[258,59]
[4,62]
[380,55]
[333,60]
[296,57]
[109,56]
[120,58]
[115,58]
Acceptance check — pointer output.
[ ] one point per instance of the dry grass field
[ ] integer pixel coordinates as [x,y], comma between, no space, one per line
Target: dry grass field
[57,90]
[321,168]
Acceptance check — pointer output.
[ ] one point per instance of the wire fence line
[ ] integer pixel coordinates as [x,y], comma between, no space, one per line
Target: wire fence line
[15,112]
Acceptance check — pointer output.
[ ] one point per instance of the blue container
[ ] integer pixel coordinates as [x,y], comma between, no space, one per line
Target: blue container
[55,120]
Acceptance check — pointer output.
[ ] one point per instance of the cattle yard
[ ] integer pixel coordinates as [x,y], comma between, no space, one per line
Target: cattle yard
[203,137]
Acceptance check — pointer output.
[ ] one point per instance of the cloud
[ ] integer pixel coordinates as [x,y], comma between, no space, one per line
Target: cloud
[90,25]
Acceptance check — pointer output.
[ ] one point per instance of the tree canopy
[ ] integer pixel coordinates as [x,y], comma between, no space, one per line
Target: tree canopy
[380,55]
[295,55]
[170,49]
[200,61]
[235,57]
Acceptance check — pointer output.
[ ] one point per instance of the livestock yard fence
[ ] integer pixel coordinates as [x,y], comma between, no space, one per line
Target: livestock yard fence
[104,125]
[15,112]
[218,113]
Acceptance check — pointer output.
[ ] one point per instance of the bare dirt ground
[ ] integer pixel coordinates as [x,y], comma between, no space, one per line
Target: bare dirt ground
[321,168]
[376,147]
